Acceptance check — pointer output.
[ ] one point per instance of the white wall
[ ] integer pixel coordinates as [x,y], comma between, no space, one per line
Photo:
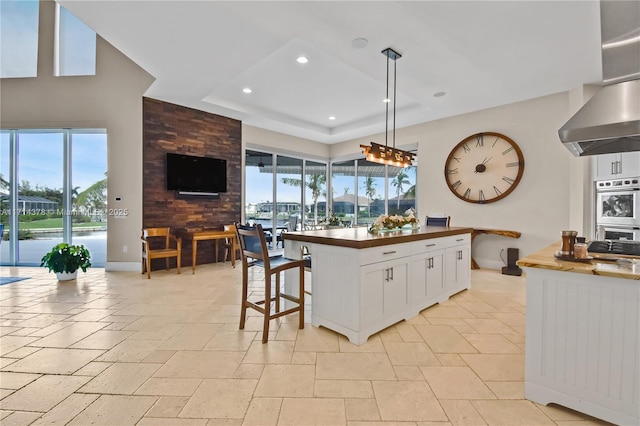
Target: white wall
[111,99]
[540,207]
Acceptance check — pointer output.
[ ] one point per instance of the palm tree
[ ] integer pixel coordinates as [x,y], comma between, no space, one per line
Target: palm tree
[316,184]
[370,190]
[401,179]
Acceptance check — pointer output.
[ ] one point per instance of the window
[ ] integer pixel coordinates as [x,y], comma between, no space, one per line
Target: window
[19,38]
[75,48]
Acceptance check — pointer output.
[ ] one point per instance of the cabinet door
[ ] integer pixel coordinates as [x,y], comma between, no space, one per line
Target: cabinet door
[384,290]
[427,276]
[458,268]
[630,164]
[607,166]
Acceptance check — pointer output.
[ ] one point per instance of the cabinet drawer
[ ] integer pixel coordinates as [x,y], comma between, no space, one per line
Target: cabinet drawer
[383,253]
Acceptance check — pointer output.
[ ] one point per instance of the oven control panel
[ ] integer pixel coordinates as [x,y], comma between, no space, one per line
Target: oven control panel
[618,184]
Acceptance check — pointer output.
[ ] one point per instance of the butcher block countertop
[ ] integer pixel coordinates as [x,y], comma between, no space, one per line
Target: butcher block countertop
[360,238]
[603,265]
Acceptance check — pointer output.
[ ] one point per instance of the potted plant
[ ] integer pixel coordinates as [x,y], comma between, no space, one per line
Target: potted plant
[65,260]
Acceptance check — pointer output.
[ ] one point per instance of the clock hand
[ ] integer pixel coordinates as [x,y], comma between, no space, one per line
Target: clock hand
[482,166]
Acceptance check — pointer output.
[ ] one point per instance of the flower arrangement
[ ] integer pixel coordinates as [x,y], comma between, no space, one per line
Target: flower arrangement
[384,222]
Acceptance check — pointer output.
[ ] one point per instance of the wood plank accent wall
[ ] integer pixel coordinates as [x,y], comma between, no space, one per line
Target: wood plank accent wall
[177,129]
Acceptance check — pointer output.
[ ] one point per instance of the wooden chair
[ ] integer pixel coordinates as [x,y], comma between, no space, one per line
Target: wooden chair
[253,247]
[156,244]
[437,221]
[229,243]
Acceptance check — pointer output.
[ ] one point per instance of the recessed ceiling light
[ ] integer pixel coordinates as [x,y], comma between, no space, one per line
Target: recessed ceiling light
[359,43]
[331,117]
[302,59]
[439,94]
[247,90]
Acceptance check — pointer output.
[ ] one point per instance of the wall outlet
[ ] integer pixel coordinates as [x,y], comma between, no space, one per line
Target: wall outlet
[125,249]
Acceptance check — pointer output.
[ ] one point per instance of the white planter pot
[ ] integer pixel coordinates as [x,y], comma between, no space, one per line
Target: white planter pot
[66,276]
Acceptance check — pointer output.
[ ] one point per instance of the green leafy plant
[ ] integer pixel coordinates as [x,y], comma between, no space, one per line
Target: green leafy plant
[67,258]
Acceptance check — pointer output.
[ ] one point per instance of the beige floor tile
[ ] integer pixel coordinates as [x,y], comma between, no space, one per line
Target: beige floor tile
[220,398]
[373,344]
[9,344]
[44,393]
[403,353]
[489,326]
[248,371]
[50,308]
[91,315]
[55,361]
[444,339]
[456,383]
[110,410]
[159,357]
[507,390]
[361,409]
[102,339]
[93,369]
[492,344]
[193,337]
[69,335]
[65,411]
[25,331]
[441,311]
[508,413]
[46,331]
[162,333]
[16,380]
[8,361]
[496,367]
[559,413]
[120,378]
[304,358]
[22,352]
[317,339]
[286,381]
[343,389]
[274,352]
[201,364]
[168,406]
[354,366]
[169,387]
[407,401]
[312,411]
[131,351]
[149,421]
[20,418]
[263,412]
[408,372]
[408,332]
[389,334]
[461,412]
[231,341]
[451,360]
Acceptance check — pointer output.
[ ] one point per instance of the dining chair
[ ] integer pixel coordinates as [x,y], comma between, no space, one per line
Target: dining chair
[229,243]
[437,221]
[158,243]
[253,248]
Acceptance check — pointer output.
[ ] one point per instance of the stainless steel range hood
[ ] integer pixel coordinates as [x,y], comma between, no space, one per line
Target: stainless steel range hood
[610,121]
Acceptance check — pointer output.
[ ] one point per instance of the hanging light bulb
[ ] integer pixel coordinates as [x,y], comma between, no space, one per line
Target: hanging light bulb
[386,154]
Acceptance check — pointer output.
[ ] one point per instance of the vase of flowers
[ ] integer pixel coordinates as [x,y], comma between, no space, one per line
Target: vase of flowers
[393,223]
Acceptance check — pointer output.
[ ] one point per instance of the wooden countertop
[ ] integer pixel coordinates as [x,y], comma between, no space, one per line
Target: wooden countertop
[360,237]
[544,259]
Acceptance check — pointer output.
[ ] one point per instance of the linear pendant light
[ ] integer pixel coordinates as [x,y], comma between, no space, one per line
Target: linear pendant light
[386,154]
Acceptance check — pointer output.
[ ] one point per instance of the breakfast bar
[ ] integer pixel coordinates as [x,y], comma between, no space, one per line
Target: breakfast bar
[582,346]
[362,282]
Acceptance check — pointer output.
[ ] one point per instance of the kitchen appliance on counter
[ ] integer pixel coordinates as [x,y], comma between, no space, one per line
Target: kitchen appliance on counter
[618,209]
[627,248]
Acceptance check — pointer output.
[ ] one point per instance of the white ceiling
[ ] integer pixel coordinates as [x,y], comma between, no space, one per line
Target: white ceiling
[482,54]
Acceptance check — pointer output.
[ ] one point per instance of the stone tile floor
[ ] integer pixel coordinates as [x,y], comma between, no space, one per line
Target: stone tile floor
[114,348]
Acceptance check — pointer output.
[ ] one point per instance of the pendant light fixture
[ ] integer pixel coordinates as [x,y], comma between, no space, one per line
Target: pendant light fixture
[386,154]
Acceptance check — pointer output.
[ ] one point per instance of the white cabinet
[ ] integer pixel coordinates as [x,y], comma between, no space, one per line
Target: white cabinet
[384,289]
[458,268]
[619,165]
[427,277]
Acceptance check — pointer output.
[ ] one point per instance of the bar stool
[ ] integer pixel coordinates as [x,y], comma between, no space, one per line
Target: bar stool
[253,247]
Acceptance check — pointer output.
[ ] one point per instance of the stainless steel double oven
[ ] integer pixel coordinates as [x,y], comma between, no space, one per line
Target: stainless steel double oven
[618,209]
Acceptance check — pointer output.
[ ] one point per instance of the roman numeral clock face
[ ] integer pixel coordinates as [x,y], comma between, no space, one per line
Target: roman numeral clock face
[484,168]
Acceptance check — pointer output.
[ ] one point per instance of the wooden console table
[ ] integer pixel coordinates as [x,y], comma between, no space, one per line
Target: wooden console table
[212,235]
[480,231]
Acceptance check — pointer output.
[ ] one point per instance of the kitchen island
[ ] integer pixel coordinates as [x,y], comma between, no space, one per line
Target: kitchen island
[362,282]
[582,345]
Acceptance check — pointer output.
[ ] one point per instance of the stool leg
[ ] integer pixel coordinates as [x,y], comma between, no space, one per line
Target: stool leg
[277,290]
[267,308]
[301,298]
[243,308]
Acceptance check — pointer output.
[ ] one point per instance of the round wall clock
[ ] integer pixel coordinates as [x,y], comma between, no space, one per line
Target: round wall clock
[484,168]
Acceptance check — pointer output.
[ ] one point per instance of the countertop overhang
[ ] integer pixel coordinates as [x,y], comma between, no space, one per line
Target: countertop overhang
[360,238]
[545,259]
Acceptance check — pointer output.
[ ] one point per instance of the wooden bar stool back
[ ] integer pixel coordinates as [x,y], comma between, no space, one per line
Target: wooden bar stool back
[253,248]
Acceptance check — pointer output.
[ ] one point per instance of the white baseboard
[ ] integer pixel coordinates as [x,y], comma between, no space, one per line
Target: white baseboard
[123,267]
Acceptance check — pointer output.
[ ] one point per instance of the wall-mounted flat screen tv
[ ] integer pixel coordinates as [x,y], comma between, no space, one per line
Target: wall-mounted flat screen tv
[188,173]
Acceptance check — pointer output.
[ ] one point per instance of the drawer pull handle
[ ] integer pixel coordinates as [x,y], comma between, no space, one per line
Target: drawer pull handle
[389,252]
[460,239]
[430,245]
